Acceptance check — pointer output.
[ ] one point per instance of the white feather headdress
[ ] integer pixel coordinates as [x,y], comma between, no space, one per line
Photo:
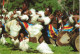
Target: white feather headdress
[33,11]
[47,20]
[41,13]
[24,17]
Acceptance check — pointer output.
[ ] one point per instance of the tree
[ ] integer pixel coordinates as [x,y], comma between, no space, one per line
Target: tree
[42,4]
[13,4]
[37,4]
[69,4]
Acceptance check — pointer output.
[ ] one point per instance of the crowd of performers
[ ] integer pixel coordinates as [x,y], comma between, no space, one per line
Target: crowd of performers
[23,23]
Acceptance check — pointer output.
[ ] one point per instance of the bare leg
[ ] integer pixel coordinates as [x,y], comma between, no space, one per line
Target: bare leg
[41,39]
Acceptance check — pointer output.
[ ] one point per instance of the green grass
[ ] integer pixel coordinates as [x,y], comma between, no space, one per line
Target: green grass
[7,49]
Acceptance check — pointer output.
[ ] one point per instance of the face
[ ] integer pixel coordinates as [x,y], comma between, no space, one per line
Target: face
[24,6]
[22,35]
[14,11]
[46,11]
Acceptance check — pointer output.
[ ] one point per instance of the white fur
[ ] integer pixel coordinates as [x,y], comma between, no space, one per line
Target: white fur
[34,19]
[35,29]
[71,19]
[38,26]
[8,24]
[44,48]
[8,16]
[3,40]
[32,31]
[7,20]
[26,40]
[14,30]
[2,15]
[10,13]
[3,21]
[0,30]
[23,45]
[16,15]
[54,45]
[15,42]
[41,13]
[13,27]
[33,11]
[77,25]
[24,17]
[12,40]
[18,12]
[47,20]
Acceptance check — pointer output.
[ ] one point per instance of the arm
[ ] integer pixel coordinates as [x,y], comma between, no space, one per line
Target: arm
[76,18]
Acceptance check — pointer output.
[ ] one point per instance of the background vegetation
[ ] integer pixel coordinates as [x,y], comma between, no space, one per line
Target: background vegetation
[41,4]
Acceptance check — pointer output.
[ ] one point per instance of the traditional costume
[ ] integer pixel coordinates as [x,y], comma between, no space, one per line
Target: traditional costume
[78,24]
[52,32]
[68,28]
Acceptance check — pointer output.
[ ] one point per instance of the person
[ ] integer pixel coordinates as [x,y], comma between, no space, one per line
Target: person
[58,15]
[66,25]
[74,19]
[47,13]
[23,34]
[24,7]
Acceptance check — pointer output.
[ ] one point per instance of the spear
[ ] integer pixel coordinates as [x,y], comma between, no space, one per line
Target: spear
[2,8]
[3,3]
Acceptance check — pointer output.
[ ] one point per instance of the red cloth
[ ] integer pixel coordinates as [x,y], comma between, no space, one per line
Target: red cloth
[3,2]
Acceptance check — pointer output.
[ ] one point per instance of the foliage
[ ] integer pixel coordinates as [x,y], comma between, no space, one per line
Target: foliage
[13,4]
[69,4]
[42,4]
[38,4]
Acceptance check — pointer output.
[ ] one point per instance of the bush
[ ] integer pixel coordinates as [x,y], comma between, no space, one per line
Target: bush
[38,4]
[12,5]
[42,4]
